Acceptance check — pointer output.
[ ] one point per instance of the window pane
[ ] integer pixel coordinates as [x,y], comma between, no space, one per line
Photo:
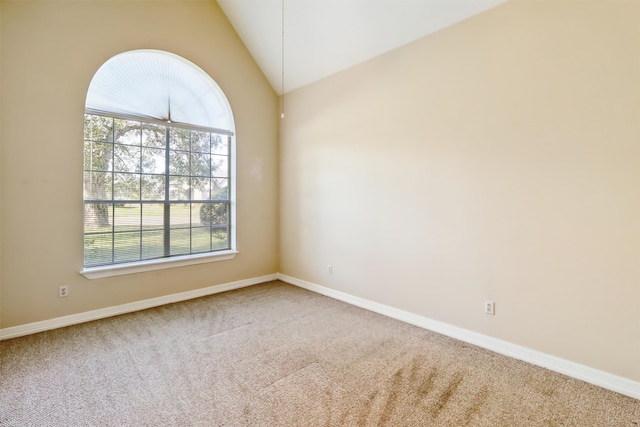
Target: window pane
[98,217]
[200,239]
[220,239]
[126,158]
[179,139]
[178,163]
[98,156]
[219,144]
[152,187]
[154,135]
[153,216]
[180,215]
[198,215]
[126,247]
[201,141]
[180,242]
[97,249]
[127,217]
[200,188]
[98,128]
[200,164]
[97,185]
[213,214]
[152,244]
[126,186]
[127,131]
[219,189]
[178,188]
[220,166]
[153,160]
[221,216]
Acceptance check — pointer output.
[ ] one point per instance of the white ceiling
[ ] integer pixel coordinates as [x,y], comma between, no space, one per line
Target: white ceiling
[323,37]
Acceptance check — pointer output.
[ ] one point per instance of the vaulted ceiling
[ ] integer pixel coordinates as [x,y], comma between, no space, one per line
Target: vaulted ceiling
[322,37]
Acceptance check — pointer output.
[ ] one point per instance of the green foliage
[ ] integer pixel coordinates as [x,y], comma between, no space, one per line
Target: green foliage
[214,213]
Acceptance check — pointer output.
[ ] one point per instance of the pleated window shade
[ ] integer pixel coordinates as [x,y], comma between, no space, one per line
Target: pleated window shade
[156,85]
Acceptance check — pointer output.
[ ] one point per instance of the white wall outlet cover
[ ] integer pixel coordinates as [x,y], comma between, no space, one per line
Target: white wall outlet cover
[490,307]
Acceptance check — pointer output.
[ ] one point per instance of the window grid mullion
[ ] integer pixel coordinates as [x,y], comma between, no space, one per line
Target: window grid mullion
[210,188]
[190,193]
[140,193]
[167,206]
[113,189]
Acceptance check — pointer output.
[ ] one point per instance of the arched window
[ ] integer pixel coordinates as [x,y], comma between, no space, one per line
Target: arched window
[158,166]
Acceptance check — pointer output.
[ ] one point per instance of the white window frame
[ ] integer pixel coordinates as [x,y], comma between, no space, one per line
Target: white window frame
[117,269]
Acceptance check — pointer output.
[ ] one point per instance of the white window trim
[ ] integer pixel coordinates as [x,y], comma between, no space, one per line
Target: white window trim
[132,267]
[156,264]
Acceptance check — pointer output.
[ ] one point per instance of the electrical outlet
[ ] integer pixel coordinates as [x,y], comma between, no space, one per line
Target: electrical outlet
[63,291]
[489,307]
[330,270]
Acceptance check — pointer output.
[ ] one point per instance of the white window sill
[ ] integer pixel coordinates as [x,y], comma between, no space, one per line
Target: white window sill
[155,264]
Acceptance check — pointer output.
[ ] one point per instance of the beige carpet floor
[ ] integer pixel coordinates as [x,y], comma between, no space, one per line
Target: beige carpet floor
[277,355]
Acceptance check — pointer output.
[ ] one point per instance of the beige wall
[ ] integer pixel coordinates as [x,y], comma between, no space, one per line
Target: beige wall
[50,51]
[497,159]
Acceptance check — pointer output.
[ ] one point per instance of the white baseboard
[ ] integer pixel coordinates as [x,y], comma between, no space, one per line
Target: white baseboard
[73,319]
[571,369]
